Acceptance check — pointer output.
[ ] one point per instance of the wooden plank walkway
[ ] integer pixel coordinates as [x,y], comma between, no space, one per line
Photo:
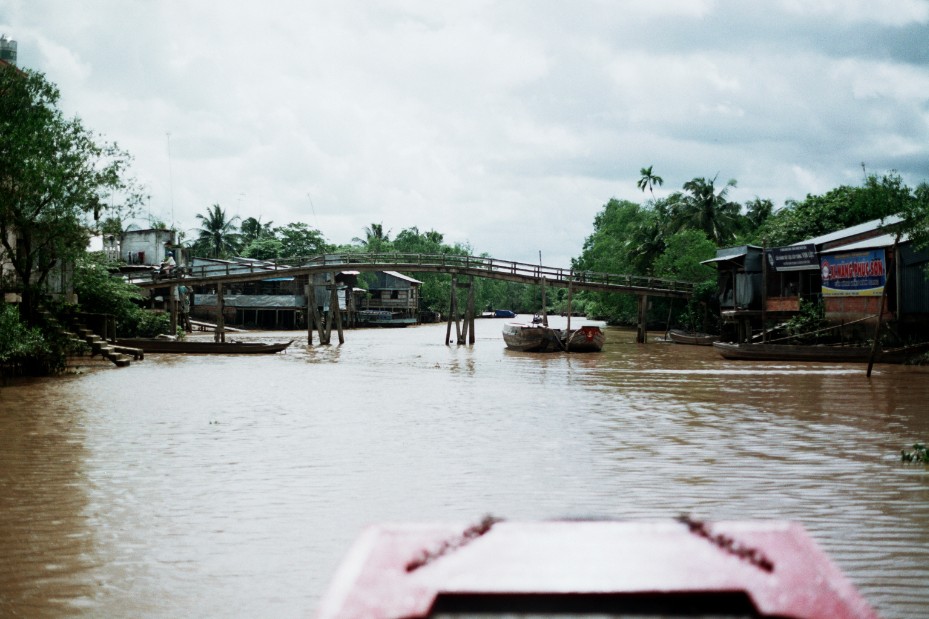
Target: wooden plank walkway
[477,266]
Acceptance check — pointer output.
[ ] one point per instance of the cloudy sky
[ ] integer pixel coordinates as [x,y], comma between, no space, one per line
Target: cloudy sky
[503,124]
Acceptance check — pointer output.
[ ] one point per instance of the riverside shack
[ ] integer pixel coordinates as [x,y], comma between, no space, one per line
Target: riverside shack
[853,272]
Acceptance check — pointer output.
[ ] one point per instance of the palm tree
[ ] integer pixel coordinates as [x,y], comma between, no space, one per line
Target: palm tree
[375,237]
[252,229]
[704,208]
[218,235]
[649,180]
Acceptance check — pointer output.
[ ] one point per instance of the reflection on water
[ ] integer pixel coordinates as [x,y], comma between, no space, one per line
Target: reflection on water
[218,486]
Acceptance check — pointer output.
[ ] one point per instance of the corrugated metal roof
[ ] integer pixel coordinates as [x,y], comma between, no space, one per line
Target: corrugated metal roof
[403,277]
[884,240]
[868,226]
[725,258]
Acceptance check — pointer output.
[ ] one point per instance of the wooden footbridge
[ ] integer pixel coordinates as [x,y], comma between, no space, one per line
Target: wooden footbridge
[462,270]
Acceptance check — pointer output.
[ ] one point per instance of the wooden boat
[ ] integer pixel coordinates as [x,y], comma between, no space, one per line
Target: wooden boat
[383,318]
[155,345]
[504,313]
[537,337]
[691,337]
[532,337]
[588,338]
[835,354]
[683,568]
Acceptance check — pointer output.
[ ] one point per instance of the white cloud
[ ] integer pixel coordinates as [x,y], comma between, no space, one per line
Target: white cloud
[888,12]
[481,119]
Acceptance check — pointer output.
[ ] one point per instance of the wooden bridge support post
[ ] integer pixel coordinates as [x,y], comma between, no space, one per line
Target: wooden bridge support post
[453,313]
[467,331]
[469,312]
[220,334]
[325,336]
[310,309]
[641,336]
[173,306]
[334,311]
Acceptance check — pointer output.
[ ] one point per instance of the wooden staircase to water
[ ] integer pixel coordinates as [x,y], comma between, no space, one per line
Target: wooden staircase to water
[121,356]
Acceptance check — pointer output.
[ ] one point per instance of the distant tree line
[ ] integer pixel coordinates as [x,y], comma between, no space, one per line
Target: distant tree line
[669,237]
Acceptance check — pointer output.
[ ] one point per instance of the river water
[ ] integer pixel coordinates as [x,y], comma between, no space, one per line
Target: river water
[232,486]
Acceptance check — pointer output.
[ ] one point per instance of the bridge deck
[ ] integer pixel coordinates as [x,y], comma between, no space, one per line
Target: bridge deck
[491,268]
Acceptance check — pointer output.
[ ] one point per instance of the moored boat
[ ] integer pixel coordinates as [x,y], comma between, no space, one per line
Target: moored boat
[691,337]
[537,337]
[504,313]
[822,353]
[684,568]
[157,345]
[588,338]
[383,318]
[534,337]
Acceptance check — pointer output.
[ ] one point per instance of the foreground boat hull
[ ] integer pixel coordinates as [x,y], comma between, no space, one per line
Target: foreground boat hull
[197,347]
[584,568]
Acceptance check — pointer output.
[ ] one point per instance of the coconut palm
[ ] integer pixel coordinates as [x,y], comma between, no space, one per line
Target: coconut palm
[705,208]
[375,237]
[649,180]
[252,229]
[218,235]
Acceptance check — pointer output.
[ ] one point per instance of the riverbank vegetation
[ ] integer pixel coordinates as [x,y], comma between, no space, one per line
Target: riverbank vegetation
[61,183]
[920,454]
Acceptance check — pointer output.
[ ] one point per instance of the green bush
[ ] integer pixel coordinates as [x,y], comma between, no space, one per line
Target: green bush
[804,326]
[102,293]
[26,350]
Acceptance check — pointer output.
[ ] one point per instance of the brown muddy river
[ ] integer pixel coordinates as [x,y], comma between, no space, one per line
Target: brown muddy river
[232,486]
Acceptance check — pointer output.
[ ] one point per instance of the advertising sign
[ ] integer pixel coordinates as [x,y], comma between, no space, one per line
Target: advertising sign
[793,258]
[861,273]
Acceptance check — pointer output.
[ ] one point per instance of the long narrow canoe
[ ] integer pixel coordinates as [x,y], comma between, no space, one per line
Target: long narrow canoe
[835,354]
[154,345]
[689,337]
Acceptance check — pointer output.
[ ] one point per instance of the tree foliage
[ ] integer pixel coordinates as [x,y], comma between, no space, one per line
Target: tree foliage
[842,207]
[100,292]
[300,240]
[56,179]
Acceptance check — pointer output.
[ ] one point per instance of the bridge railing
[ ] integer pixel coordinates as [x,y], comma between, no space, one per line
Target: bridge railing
[473,265]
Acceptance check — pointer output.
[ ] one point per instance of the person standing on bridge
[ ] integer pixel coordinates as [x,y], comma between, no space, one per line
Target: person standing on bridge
[183,293]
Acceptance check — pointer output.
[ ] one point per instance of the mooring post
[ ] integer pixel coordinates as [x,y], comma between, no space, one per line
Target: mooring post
[569,308]
[544,313]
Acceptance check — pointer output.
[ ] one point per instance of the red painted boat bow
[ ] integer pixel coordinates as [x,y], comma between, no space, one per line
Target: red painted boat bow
[401,570]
